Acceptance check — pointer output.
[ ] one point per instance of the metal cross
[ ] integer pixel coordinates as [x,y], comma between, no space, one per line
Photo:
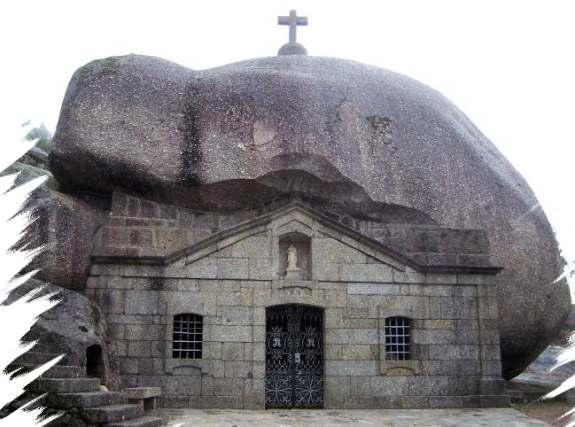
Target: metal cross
[293,21]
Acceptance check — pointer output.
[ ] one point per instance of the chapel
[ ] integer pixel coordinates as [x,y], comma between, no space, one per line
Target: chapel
[284,304]
[297,231]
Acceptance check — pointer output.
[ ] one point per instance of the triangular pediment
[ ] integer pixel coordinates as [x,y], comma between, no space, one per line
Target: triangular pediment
[258,234]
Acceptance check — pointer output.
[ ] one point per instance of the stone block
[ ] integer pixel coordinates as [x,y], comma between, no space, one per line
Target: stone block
[467,336]
[432,290]
[231,333]
[202,303]
[356,352]
[259,315]
[186,285]
[258,352]
[490,352]
[488,308]
[476,279]
[145,332]
[128,365]
[501,401]
[415,307]
[212,350]
[233,351]
[439,324]
[453,352]
[229,285]
[333,351]
[407,402]
[228,386]
[337,391]
[408,277]
[325,271]
[366,273]
[119,348]
[360,323]
[437,402]
[423,240]
[352,336]
[180,385]
[461,385]
[441,278]
[204,268]
[139,349]
[174,402]
[237,369]
[492,368]
[350,368]
[217,402]
[259,334]
[259,369]
[146,366]
[400,368]
[254,395]
[233,268]
[373,289]
[465,291]
[110,301]
[116,331]
[142,302]
[433,336]
[336,252]
[260,269]
[360,386]
[389,386]
[231,315]
[231,298]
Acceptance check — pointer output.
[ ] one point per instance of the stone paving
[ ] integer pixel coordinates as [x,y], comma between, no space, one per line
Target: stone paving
[365,418]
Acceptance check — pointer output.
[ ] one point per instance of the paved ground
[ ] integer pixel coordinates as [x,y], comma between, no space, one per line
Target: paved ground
[365,418]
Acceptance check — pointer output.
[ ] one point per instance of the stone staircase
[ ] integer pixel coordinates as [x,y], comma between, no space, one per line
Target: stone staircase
[522,393]
[80,398]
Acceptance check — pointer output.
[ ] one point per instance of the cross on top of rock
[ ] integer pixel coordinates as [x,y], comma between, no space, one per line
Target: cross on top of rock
[292,47]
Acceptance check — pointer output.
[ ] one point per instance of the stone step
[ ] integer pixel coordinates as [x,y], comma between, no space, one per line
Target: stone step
[523,393]
[57,371]
[113,413]
[138,422]
[38,358]
[84,400]
[65,385]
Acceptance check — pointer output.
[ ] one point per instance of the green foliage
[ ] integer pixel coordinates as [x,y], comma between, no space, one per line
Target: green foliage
[43,135]
[103,66]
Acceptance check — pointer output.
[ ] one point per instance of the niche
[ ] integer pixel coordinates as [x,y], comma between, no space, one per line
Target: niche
[95,362]
[295,256]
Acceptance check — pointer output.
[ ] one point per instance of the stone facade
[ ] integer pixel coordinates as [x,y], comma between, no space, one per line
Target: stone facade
[152,262]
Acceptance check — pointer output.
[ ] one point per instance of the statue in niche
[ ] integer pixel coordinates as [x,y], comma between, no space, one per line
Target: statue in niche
[292,270]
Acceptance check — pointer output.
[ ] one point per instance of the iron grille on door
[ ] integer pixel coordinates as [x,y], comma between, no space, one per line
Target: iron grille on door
[294,357]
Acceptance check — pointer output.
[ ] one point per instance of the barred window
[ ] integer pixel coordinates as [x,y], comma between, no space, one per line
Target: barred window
[397,338]
[187,338]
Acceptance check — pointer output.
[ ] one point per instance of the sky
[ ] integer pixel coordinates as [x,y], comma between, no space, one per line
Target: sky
[509,65]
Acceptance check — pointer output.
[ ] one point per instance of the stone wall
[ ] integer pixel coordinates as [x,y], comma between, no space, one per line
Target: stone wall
[143,228]
[231,280]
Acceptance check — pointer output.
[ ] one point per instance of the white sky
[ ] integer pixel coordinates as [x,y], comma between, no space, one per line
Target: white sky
[509,65]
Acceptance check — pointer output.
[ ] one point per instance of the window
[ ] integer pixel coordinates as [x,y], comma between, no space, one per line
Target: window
[187,338]
[397,338]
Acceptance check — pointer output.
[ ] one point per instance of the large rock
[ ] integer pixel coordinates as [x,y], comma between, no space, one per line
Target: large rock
[370,142]
[71,328]
[65,225]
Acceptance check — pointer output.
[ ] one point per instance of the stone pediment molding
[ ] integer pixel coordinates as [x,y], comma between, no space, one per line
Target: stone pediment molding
[296,217]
